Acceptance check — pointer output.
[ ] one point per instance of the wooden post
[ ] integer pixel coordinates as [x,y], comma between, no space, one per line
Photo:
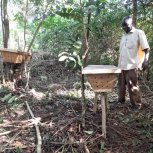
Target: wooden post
[6,71]
[2,70]
[103,108]
[95,102]
[106,101]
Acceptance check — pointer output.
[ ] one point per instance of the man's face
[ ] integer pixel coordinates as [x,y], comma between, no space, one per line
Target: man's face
[127,25]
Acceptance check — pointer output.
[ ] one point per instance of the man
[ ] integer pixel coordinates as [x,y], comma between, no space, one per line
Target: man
[130,43]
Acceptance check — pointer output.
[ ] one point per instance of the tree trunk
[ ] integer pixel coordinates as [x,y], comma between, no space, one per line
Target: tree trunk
[135,12]
[5,31]
[84,53]
[5,22]
[34,36]
[25,24]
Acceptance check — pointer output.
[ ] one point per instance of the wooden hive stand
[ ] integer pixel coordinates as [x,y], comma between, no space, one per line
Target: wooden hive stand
[102,79]
[13,61]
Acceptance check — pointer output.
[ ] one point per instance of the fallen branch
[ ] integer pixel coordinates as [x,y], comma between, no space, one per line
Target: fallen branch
[8,132]
[14,130]
[11,141]
[16,122]
[39,140]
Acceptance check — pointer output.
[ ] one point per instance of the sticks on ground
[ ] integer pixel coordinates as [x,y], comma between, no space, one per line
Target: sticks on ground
[39,140]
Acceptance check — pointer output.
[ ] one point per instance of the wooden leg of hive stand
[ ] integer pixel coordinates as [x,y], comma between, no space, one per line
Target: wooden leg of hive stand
[106,101]
[103,107]
[95,102]
[2,70]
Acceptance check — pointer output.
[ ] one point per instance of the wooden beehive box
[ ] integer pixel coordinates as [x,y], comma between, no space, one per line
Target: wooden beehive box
[13,56]
[101,77]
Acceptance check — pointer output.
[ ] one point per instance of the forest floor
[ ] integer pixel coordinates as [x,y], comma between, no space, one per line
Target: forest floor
[54,98]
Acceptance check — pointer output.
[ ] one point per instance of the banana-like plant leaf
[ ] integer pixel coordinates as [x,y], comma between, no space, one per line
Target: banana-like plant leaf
[75,54]
[63,58]
[79,61]
[76,46]
[63,53]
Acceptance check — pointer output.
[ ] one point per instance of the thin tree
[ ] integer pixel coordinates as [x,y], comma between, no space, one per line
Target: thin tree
[5,30]
[5,22]
[84,53]
[25,24]
[135,11]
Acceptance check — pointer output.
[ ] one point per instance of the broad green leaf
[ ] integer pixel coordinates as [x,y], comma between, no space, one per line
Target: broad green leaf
[63,53]
[70,42]
[79,43]
[76,46]
[63,58]
[74,53]
[72,59]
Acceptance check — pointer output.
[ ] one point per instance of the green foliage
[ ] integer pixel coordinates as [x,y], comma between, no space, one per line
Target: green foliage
[56,32]
[1,120]
[37,2]
[9,98]
[18,150]
[76,9]
[151,149]
[145,18]
[3,90]
[106,35]
[72,58]
[6,97]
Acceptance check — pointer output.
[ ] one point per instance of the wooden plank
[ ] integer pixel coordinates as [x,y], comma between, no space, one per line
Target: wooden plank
[14,51]
[100,69]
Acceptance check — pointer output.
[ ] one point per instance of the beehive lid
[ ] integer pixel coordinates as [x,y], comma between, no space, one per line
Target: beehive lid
[13,51]
[100,69]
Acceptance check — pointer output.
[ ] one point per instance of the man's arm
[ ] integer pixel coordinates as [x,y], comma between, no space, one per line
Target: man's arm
[145,47]
[146,58]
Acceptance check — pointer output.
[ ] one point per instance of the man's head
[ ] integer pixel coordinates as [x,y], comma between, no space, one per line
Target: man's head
[127,24]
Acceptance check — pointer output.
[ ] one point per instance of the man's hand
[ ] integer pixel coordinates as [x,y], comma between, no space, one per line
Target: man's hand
[145,64]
